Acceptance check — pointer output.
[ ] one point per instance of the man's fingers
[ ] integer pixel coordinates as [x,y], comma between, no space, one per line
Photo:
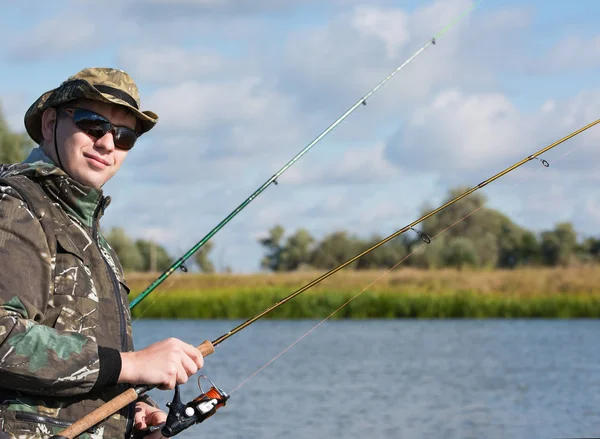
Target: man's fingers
[189,365]
[140,416]
[156,418]
[182,375]
[140,422]
[194,353]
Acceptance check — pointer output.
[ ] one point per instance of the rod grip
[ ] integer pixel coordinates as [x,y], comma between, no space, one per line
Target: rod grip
[206,348]
[100,414]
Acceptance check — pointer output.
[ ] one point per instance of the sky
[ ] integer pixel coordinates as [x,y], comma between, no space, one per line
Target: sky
[242,86]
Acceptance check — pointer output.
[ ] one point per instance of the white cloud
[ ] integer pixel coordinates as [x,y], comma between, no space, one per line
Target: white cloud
[571,53]
[356,166]
[471,131]
[389,25]
[461,131]
[51,37]
[198,106]
[351,53]
[170,64]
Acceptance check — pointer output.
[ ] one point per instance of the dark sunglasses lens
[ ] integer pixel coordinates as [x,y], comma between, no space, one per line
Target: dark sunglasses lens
[93,127]
[124,138]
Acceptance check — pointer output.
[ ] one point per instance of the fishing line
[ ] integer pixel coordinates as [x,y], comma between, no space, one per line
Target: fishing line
[386,272]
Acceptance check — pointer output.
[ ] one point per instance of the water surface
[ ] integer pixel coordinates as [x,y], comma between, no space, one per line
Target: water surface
[397,378]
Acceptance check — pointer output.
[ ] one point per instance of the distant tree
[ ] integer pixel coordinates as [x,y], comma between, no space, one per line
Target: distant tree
[335,249]
[459,252]
[426,255]
[386,256]
[458,215]
[273,246]
[202,259]
[289,254]
[296,251]
[154,256]
[529,249]
[13,146]
[591,246]
[128,253]
[496,239]
[558,245]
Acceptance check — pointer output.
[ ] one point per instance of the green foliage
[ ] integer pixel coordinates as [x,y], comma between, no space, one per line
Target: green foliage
[202,259]
[272,243]
[496,239]
[154,256]
[529,249]
[558,245]
[13,146]
[141,255]
[334,249]
[387,255]
[590,248]
[459,252]
[291,255]
[296,251]
[128,252]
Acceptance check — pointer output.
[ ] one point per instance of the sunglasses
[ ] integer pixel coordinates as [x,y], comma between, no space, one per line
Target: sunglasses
[97,126]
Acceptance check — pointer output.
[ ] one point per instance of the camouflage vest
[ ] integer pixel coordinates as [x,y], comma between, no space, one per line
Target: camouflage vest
[89,296]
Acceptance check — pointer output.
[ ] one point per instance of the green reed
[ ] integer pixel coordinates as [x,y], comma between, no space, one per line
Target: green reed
[245,302]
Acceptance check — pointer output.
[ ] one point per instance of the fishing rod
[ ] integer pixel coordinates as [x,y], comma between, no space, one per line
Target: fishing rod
[182,416]
[362,101]
[180,262]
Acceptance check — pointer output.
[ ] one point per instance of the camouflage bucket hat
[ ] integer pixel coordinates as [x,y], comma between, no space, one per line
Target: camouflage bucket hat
[102,84]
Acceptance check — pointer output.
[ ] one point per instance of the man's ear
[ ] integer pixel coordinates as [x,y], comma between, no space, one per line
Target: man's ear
[48,122]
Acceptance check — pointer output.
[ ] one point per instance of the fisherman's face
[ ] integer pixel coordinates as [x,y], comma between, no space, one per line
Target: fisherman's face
[91,161]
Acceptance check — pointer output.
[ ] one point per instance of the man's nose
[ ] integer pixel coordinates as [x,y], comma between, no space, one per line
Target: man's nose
[106,142]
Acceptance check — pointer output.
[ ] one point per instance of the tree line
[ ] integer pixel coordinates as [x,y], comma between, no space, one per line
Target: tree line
[143,255]
[486,239]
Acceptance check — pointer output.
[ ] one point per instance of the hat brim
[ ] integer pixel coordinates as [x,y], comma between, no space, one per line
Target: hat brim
[75,89]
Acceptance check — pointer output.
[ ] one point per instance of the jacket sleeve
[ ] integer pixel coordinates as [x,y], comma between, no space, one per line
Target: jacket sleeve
[34,357]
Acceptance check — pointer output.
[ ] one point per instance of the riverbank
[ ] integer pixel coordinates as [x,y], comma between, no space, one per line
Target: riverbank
[406,293]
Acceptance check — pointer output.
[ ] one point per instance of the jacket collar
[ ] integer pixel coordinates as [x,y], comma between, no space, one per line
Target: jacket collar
[77,200]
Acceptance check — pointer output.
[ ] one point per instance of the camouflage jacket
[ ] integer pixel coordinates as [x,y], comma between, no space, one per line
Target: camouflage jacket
[64,314]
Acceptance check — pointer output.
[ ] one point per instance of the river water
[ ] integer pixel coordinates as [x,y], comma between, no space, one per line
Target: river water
[517,379]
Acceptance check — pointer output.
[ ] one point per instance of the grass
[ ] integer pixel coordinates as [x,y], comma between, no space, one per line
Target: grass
[404,293]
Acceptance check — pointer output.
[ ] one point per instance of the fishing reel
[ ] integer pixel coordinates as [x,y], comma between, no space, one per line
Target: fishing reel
[182,416]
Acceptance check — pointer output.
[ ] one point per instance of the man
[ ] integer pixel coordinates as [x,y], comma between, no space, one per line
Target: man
[65,327]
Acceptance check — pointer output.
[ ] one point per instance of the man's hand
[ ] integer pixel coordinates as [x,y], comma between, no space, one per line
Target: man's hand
[163,364]
[147,416]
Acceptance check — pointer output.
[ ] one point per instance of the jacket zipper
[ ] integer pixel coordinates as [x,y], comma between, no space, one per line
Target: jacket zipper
[113,277]
[33,417]
[117,289]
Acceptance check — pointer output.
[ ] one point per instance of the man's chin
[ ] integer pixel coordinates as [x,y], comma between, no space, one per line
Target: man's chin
[91,181]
